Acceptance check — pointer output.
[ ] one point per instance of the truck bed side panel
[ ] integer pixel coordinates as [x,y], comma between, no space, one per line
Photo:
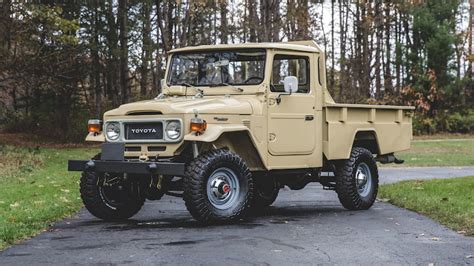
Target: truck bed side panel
[391,126]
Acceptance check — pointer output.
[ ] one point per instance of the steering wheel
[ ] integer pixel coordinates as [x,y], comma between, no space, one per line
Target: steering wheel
[249,79]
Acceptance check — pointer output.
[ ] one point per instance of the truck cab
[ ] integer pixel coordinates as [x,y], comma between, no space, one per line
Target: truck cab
[233,125]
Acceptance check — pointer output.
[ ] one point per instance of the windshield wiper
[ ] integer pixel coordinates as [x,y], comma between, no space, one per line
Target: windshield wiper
[229,85]
[187,85]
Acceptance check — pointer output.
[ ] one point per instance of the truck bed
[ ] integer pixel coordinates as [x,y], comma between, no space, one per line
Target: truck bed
[389,125]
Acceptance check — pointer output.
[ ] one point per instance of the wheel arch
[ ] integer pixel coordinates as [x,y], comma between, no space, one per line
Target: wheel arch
[236,138]
[367,139]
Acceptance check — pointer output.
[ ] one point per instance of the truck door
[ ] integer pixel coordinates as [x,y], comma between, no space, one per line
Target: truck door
[291,122]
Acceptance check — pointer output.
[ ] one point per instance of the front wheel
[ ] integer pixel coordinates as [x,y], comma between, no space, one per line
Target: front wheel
[218,187]
[106,198]
[357,180]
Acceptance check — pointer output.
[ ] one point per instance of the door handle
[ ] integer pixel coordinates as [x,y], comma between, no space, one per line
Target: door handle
[308,117]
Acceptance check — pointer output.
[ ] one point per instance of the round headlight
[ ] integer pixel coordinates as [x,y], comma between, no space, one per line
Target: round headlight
[173,130]
[112,130]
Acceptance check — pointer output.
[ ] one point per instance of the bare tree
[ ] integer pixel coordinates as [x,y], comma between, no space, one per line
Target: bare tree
[123,39]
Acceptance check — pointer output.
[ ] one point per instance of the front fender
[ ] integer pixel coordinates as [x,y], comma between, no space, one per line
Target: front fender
[213,132]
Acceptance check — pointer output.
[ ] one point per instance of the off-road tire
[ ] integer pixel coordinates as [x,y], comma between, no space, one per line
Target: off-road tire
[262,198]
[195,186]
[346,187]
[94,203]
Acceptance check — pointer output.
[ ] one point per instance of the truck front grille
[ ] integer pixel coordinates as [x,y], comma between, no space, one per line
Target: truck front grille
[144,131]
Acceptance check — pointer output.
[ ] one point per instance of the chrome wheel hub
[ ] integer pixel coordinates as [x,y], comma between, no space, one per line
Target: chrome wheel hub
[363,179]
[223,188]
[220,188]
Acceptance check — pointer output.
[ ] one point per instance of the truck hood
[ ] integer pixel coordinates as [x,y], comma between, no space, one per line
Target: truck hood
[183,105]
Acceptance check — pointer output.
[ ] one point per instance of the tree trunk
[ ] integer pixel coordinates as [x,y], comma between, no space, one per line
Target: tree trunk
[253,21]
[146,48]
[112,73]
[5,24]
[123,38]
[276,23]
[223,27]
[96,69]
[398,52]
[378,48]
[331,77]
[388,60]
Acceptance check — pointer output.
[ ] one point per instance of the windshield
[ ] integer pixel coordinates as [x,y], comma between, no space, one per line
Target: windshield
[216,68]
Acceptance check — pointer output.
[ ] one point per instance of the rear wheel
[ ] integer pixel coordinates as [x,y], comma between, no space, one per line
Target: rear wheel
[107,198]
[218,187]
[357,180]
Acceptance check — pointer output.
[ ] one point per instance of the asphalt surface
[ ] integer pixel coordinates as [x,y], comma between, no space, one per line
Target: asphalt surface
[392,175]
[308,226]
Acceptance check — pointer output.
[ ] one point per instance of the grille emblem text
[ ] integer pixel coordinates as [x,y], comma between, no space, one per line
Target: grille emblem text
[143,130]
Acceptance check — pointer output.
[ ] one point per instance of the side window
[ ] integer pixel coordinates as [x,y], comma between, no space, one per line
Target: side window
[290,65]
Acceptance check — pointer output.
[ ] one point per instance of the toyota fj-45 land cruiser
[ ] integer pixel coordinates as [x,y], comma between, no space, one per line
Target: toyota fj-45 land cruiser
[234,124]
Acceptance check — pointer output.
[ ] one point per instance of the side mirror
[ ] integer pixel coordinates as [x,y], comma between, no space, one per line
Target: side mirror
[290,84]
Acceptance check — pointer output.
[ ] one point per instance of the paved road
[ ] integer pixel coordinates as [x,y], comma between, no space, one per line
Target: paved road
[303,227]
[391,175]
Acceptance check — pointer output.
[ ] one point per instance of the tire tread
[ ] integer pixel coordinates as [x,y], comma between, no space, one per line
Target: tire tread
[345,182]
[195,181]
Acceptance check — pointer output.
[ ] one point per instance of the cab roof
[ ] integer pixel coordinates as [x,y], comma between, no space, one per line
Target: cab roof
[300,46]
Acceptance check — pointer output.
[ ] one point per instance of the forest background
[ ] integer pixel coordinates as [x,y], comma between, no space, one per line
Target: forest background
[63,62]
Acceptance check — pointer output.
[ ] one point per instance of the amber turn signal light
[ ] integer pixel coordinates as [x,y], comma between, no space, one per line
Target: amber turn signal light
[94,126]
[198,125]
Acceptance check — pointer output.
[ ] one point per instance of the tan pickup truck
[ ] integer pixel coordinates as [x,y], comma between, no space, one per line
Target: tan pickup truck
[235,124]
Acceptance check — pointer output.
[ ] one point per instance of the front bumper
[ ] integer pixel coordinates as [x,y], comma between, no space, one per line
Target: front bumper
[155,168]
[112,161]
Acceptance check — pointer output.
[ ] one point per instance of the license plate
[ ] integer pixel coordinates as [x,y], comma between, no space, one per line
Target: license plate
[137,131]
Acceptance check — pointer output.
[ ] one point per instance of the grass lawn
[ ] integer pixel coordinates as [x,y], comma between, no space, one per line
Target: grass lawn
[459,152]
[36,189]
[449,201]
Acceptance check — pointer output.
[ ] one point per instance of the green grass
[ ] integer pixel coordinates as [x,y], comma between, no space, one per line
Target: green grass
[449,201]
[36,189]
[439,153]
